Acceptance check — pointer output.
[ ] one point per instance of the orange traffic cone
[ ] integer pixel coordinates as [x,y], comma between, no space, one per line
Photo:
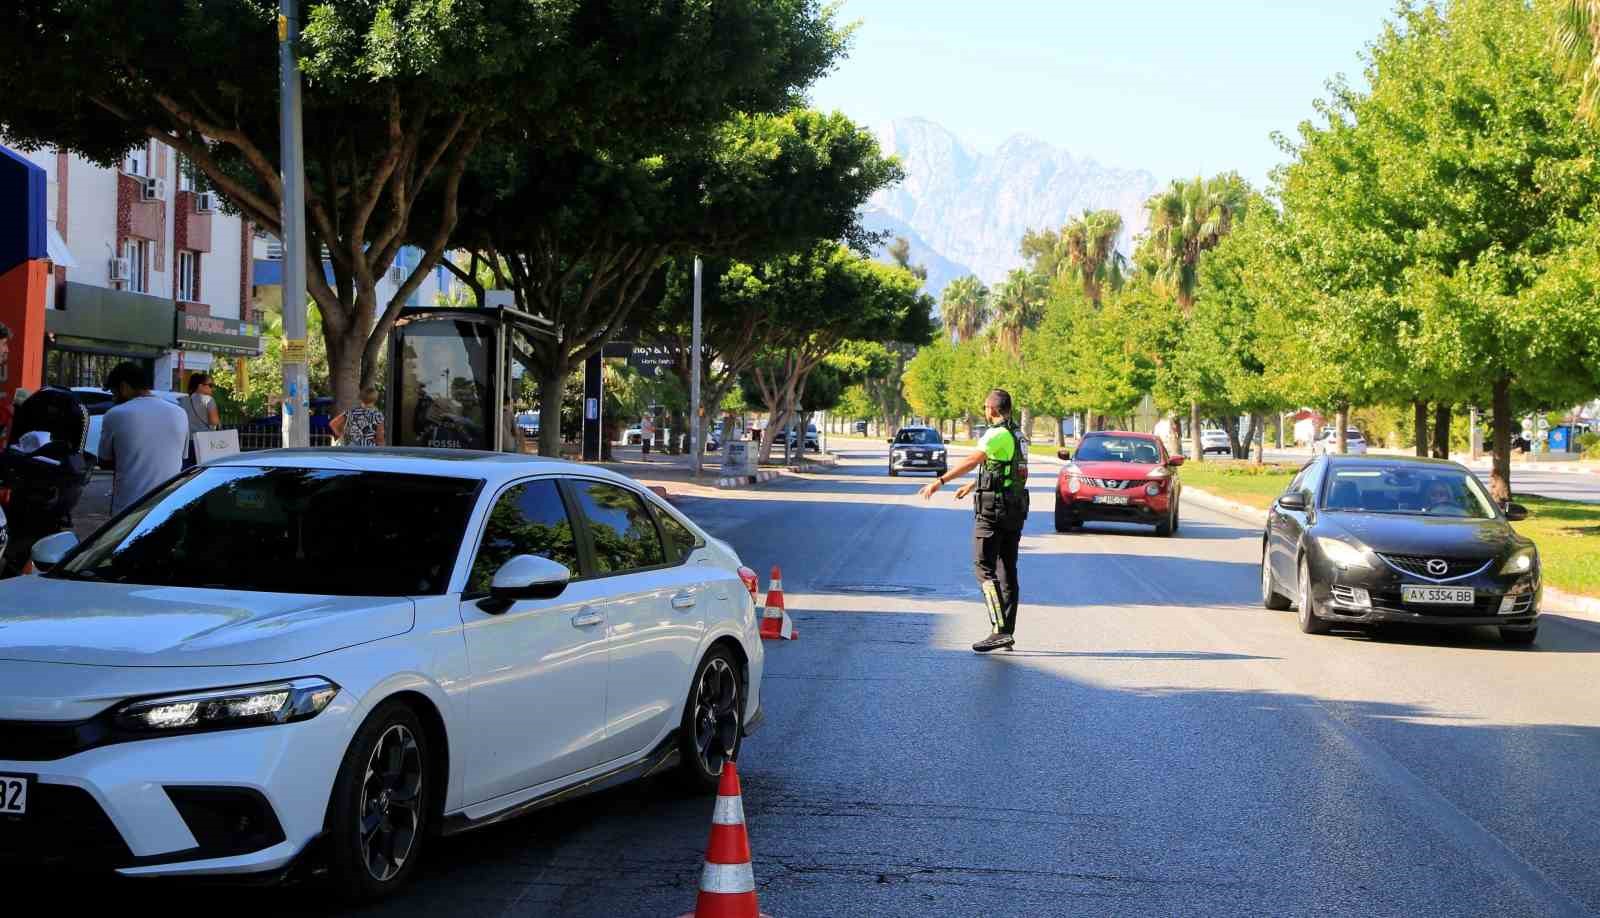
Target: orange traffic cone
[727,883]
[775,621]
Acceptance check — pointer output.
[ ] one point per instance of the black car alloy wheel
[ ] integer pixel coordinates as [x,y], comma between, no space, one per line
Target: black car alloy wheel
[1270,597]
[1310,622]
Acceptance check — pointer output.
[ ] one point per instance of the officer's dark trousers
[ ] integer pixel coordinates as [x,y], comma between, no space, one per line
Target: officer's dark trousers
[994,552]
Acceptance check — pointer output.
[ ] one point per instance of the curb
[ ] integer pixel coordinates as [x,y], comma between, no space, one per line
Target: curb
[825,464]
[1560,601]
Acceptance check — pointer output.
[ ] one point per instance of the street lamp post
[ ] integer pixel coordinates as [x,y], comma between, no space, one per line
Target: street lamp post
[296,400]
[696,423]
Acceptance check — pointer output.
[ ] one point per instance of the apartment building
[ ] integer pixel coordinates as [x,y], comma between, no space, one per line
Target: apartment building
[147,267]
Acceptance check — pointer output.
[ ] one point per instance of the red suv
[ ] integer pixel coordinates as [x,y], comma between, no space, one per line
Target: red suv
[1121,477]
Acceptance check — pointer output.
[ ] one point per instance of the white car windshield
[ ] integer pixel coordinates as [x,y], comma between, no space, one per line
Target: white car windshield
[1416,490]
[287,530]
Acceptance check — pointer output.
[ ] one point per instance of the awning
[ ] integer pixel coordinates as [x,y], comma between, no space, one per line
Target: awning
[56,247]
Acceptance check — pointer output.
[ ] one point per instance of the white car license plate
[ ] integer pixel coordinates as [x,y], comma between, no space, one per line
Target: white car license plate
[13,795]
[919,462]
[1438,596]
[1110,499]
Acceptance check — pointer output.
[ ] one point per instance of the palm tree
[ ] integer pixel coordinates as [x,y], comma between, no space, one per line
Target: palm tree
[1018,306]
[1089,246]
[964,307]
[1187,219]
[1577,40]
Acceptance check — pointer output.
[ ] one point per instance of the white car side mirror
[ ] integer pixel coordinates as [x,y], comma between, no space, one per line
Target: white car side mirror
[48,551]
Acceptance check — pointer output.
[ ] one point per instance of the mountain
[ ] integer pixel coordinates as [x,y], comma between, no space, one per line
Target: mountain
[965,212]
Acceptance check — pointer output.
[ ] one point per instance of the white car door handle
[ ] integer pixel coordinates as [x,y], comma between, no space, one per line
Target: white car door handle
[684,600]
[587,618]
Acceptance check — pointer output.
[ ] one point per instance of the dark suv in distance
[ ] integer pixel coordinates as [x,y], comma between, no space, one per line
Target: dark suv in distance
[918,449]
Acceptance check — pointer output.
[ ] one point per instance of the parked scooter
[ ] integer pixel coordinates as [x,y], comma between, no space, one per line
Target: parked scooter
[45,469]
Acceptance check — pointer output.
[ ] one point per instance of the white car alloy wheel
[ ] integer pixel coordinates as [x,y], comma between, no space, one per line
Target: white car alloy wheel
[713,720]
[391,794]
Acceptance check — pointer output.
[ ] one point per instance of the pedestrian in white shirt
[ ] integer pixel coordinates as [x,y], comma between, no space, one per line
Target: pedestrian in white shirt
[142,438]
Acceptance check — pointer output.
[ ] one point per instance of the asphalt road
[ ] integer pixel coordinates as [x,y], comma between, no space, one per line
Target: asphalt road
[1158,744]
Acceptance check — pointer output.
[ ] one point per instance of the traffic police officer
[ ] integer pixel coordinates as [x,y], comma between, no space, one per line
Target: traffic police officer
[1000,510]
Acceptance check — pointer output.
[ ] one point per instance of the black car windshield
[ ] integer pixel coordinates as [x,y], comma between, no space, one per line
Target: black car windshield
[918,437]
[1118,449]
[1416,489]
[287,530]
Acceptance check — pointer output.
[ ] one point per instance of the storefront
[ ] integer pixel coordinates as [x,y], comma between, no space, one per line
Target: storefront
[212,336]
[97,328]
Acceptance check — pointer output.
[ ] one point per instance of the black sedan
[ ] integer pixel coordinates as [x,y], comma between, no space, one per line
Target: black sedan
[1377,540]
[918,449]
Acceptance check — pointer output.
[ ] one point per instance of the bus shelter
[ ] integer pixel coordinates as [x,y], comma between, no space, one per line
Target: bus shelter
[459,378]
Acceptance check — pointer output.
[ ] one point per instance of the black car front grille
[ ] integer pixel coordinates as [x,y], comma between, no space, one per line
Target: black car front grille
[64,827]
[1418,565]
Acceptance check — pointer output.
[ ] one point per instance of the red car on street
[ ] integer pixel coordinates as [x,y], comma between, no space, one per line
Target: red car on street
[1120,477]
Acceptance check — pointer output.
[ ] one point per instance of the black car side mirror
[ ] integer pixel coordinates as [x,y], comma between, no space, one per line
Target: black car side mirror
[1294,500]
[1516,512]
[1064,454]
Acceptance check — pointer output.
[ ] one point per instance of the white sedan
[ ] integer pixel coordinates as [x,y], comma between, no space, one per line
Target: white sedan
[1328,443]
[326,656]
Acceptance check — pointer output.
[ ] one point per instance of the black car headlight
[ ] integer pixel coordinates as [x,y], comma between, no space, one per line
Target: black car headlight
[223,709]
[1520,562]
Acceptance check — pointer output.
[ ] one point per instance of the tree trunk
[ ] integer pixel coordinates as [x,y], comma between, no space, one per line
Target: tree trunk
[552,386]
[1177,434]
[1261,448]
[1342,419]
[1235,450]
[344,373]
[1441,430]
[1250,435]
[1419,423]
[1194,430]
[1500,476]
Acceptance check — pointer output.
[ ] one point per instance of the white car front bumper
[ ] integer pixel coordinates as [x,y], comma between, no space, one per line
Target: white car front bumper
[116,806]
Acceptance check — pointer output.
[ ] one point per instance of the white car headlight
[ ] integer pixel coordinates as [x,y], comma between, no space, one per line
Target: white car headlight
[1519,563]
[223,709]
[938,454]
[1342,553]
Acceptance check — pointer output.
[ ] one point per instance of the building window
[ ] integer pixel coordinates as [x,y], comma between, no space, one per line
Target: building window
[137,251]
[189,277]
[187,180]
[138,160]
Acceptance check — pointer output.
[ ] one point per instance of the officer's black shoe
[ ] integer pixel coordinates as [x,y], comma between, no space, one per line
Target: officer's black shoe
[994,642]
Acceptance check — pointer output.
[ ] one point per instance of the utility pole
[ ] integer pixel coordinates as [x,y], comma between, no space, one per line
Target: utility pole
[696,423]
[296,400]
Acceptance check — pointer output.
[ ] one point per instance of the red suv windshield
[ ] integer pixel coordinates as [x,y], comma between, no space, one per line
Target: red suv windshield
[1118,449]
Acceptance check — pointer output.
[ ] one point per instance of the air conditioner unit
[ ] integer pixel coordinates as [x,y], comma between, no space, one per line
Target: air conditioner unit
[205,202]
[155,189]
[120,269]
[398,274]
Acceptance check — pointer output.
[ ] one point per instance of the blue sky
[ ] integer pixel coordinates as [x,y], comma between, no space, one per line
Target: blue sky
[1177,88]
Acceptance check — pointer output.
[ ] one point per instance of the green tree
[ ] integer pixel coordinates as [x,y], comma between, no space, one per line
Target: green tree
[928,382]
[1186,219]
[964,307]
[580,236]
[1486,186]
[1090,252]
[398,95]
